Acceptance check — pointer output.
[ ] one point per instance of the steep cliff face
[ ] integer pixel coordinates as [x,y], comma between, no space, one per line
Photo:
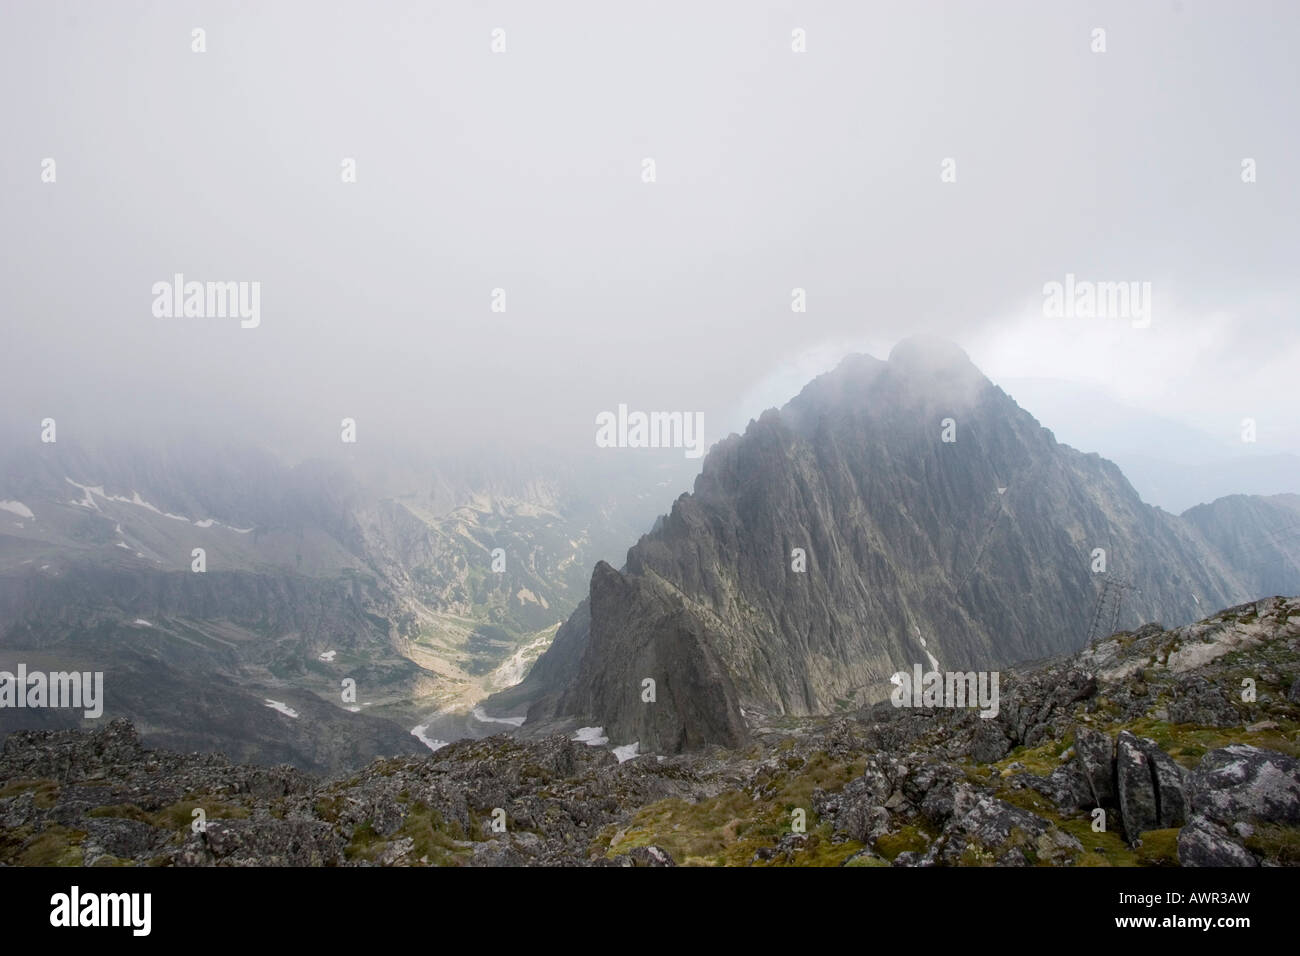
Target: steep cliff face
[1258,535]
[932,519]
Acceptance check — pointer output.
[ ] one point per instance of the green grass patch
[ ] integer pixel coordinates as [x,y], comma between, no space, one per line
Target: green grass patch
[727,830]
[1188,743]
[54,846]
[44,792]
[906,839]
[1159,847]
[1276,843]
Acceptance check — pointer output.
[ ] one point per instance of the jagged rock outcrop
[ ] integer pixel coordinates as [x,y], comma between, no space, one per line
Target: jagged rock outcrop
[881,786]
[1150,787]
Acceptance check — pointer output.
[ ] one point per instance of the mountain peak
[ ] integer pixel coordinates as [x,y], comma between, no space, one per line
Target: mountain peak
[931,353]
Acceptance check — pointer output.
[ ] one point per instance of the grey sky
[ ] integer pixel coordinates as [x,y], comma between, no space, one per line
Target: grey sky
[522,170]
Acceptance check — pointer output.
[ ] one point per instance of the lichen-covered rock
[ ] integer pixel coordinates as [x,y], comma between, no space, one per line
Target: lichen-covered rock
[262,843]
[1232,790]
[648,856]
[1248,784]
[1170,789]
[989,743]
[1136,787]
[121,838]
[983,828]
[1204,843]
[1095,753]
[1065,786]
[1199,701]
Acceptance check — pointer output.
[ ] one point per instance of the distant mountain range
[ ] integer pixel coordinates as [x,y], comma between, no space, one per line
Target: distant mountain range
[1170,464]
[428,587]
[893,513]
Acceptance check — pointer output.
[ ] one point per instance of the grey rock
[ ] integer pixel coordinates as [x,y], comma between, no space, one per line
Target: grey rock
[1065,786]
[1095,753]
[989,743]
[1197,700]
[1248,784]
[650,856]
[1204,843]
[1136,785]
[263,843]
[1008,834]
[1170,790]
[120,838]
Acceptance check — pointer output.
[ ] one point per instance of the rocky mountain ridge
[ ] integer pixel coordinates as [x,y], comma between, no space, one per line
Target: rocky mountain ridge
[1148,732]
[892,513]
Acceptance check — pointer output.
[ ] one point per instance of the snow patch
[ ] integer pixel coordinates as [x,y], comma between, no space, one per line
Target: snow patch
[142,622]
[627,751]
[591,736]
[328,657]
[282,707]
[88,501]
[17,507]
[482,717]
[87,498]
[419,732]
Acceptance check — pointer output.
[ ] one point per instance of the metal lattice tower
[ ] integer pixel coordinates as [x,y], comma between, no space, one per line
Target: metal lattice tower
[1106,612]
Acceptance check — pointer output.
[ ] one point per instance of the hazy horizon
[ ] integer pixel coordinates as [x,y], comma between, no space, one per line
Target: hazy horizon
[522,170]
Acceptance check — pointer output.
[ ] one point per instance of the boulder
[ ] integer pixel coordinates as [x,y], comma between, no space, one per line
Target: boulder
[1065,786]
[1171,793]
[987,829]
[649,856]
[1204,843]
[1136,786]
[1246,784]
[1095,754]
[988,742]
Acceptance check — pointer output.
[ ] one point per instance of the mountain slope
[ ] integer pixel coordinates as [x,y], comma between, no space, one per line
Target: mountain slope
[1259,535]
[974,553]
[314,574]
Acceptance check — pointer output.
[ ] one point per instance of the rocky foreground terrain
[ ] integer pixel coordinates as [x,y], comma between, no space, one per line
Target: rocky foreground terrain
[1187,739]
